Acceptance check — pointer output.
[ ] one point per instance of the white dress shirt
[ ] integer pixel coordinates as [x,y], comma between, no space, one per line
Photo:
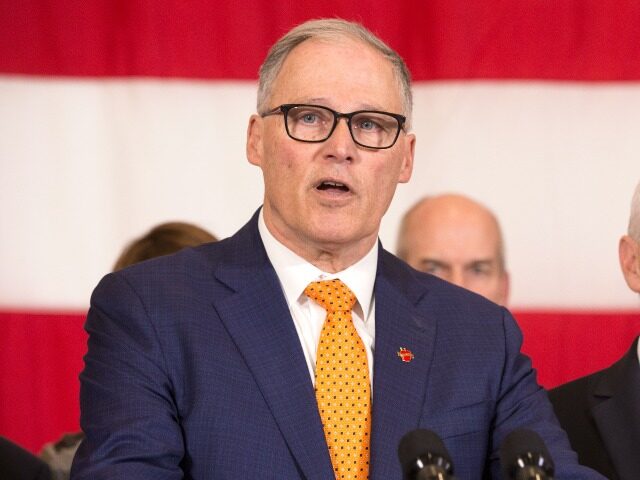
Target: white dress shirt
[295,273]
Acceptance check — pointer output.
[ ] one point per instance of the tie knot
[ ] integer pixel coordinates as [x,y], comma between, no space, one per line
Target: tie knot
[333,295]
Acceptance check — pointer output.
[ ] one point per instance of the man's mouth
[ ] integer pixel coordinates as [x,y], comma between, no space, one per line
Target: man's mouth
[332,186]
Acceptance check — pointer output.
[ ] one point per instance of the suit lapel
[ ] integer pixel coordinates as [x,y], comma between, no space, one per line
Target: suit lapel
[618,415]
[399,387]
[258,319]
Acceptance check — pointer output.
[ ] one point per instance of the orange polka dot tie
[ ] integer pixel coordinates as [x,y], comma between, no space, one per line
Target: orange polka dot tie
[343,388]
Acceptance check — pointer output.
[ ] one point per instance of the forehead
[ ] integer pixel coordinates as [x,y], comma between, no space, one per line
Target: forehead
[343,73]
[455,237]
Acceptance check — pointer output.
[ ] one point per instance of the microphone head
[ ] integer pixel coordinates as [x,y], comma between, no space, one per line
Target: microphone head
[420,448]
[524,449]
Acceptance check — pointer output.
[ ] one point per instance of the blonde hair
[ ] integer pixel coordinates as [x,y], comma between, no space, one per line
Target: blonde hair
[161,240]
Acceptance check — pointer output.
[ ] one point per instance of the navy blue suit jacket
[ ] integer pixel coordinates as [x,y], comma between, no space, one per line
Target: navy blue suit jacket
[195,370]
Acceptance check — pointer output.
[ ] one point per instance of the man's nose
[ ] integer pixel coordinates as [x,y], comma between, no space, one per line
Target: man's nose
[457,277]
[340,144]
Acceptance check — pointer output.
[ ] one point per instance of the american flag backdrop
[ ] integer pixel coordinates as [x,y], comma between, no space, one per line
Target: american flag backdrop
[118,115]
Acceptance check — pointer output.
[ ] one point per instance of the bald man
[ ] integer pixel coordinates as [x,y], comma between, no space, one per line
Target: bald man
[601,411]
[458,240]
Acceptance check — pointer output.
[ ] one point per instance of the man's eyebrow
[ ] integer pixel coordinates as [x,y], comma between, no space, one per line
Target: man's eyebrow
[368,106]
[433,261]
[323,101]
[318,100]
[481,262]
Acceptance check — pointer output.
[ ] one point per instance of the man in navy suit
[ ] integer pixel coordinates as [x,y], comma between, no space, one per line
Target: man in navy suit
[601,411]
[201,365]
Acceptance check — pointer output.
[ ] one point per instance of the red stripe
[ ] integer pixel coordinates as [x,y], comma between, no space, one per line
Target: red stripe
[587,40]
[565,345]
[41,357]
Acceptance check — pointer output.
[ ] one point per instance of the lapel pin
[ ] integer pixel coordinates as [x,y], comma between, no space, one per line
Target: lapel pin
[405,354]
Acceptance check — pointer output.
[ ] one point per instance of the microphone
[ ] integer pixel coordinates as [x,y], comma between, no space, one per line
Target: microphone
[423,456]
[524,456]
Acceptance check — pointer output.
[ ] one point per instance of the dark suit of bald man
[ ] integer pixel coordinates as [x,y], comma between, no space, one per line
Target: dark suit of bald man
[18,464]
[601,414]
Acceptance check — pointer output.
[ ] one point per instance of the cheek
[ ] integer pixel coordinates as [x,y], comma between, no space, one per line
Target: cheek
[486,283]
[278,148]
[383,185]
[280,164]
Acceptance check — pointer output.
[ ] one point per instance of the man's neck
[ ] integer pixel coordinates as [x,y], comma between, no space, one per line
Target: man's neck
[332,261]
[327,256]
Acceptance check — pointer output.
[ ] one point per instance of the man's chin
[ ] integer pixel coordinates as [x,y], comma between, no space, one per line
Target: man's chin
[333,237]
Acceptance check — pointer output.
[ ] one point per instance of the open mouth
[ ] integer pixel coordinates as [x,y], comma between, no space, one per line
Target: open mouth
[332,186]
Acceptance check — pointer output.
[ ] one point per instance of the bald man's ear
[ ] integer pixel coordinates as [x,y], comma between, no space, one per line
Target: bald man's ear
[629,252]
[505,288]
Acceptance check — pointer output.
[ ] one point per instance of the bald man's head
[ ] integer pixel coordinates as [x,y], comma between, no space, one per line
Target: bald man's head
[458,240]
[629,247]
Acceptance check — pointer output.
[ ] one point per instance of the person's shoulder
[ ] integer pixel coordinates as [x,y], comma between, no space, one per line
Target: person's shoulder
[565,397]
[612,374]
[16,462]
[578,387]
[244,247]
[191,261]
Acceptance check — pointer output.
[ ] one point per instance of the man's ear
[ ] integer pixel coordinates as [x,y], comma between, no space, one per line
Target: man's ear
[629,252]
[254,140]
[505,288]
[407,160]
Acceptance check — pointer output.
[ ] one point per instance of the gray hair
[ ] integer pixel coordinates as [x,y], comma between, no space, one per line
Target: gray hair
[634,217]
[330,29]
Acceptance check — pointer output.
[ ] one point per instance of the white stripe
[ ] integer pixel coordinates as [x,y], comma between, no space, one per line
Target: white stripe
[86,165]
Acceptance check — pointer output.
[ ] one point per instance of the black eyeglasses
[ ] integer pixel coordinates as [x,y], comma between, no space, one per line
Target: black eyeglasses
[314,124]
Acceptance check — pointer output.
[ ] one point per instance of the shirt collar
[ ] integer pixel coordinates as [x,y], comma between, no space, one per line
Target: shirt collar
[295,273]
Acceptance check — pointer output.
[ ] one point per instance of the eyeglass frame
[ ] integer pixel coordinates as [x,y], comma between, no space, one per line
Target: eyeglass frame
[286,107]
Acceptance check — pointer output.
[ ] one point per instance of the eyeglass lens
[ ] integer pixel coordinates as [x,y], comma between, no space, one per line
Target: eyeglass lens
[315,124]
